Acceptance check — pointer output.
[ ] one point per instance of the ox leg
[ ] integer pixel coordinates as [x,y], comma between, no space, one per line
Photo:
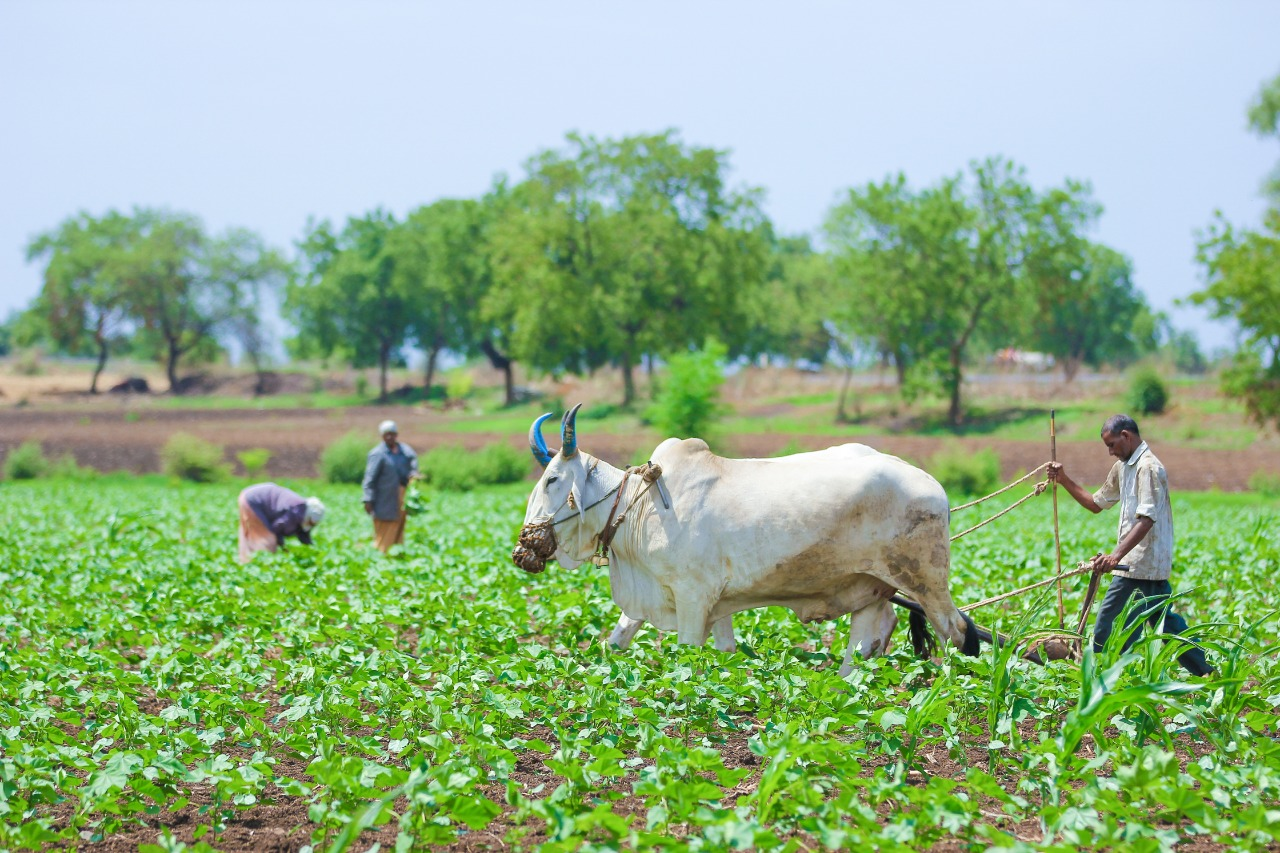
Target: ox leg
[722,632]
[869,631]
[947,620]
[625,631]
[691,620]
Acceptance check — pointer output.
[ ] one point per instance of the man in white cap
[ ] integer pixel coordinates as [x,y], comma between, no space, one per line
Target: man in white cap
[269,513]
[390,467]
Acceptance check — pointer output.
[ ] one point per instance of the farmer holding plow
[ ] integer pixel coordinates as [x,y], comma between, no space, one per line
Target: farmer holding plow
[1137,481]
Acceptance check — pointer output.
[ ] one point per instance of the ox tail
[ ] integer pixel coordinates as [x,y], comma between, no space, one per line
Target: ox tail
[922,641]
[971,636]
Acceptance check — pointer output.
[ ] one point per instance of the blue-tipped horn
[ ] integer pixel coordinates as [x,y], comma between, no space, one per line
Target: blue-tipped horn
[569,432]
[537,443]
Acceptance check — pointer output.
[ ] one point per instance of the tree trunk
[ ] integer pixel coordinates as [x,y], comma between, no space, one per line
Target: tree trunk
[259,375]
[384,355]
[102,362]
[1070,367]
[501,362]
[900,369]
[628,379]
[953,380]
[431,371]
[841,417]
[171,366]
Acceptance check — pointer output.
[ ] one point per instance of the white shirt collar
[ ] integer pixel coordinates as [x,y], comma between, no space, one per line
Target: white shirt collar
[1137,454]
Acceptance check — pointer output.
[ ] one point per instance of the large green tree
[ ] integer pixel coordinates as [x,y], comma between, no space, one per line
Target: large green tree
[612,250]
[154,275]
[83,301]
[928,273]
[1242,270]
[442,268]
[186,288]
[346,299]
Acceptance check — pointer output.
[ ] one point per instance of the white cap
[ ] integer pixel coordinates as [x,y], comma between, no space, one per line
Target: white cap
[315,511]
[386,427]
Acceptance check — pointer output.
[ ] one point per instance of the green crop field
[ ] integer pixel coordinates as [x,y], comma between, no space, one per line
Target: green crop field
[156,695]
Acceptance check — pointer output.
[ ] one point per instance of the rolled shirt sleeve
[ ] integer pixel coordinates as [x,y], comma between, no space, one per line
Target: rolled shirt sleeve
[1149,493]
[1109,495]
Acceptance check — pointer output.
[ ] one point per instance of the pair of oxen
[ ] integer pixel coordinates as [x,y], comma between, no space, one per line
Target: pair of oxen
[826,533]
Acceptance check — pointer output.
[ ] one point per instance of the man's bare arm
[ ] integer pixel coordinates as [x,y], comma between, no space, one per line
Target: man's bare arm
[1140,529]
[1083,497]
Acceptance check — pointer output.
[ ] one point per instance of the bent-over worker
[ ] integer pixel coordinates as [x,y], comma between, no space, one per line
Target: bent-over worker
[389,468]
[1137,481]
[269,513]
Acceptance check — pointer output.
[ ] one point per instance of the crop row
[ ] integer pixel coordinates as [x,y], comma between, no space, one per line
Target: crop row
[153,690]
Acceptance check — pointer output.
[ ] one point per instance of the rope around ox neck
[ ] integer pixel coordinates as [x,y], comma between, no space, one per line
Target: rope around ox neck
[649,472]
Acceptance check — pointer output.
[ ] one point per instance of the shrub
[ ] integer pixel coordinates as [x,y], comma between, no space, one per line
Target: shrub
[27,462]
[454,469]
[343,461]
[65,467]
[190,458]
[1148,395]
[27,362]
[965,473]
[458,384]
[687,403]
[1265,483]
[254,460]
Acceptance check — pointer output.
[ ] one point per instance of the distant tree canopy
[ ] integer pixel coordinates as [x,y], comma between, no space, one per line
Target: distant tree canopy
[981,257]
[621,253]
[611,251]
[1242,268]
[153,276]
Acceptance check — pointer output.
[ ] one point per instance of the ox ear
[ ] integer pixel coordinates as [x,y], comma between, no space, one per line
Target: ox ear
[537,443]
[569,432]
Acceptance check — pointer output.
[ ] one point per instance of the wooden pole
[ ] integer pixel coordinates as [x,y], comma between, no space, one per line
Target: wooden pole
[1057,539]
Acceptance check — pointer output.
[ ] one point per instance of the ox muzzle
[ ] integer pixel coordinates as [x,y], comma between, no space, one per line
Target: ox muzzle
[536,546]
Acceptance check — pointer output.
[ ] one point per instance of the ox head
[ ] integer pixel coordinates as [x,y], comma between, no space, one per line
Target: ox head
[560,497]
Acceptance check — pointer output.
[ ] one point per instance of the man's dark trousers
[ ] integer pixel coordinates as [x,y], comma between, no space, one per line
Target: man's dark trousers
[1155,597]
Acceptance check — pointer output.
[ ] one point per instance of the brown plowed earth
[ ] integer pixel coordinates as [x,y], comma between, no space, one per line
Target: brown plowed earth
[118,440]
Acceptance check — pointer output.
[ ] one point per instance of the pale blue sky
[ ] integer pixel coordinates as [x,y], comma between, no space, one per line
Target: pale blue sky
[260,114]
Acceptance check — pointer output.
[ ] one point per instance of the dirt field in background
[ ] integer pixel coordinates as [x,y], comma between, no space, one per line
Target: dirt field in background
[111,440]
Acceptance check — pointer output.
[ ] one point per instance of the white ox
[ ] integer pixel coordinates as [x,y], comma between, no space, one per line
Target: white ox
[826,533]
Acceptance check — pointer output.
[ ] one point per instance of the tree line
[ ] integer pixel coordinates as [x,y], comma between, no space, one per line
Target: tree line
[619,253]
